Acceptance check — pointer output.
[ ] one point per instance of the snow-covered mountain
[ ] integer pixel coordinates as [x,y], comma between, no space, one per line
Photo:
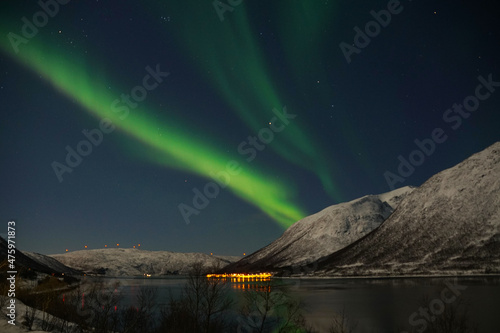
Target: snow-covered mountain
[135,262]
[52,263]
[36,262]
[449,225]
[325,232]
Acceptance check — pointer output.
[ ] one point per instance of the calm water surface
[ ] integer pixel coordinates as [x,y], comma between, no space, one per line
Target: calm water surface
[377,305]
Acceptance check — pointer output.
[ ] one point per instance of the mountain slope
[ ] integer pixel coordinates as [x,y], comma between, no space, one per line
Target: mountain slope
[52,263]
[449,225]
[135,262]
[323,233]
[26,261]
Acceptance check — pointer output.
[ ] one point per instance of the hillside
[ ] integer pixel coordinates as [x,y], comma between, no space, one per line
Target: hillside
[449,225]
[135,262]
[37,263]
[323,233]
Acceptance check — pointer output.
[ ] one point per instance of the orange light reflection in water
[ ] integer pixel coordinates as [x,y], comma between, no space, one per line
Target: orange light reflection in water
[252,286]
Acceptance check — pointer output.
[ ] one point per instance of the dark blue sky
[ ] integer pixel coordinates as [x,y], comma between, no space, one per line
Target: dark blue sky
[353,120]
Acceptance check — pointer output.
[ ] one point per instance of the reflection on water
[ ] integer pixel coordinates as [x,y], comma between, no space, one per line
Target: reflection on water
[386,305]
[94,294]
[377,305]
[252,286]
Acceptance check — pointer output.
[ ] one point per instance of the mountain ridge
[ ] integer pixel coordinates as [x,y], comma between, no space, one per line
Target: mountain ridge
[25,261]
[137,262]
[450,225]
[324,232]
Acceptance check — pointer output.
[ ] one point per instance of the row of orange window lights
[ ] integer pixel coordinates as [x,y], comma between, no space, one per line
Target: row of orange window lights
[241,276]
[117,245]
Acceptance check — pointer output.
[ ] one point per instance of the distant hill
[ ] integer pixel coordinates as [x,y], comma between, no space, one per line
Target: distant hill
[135,262]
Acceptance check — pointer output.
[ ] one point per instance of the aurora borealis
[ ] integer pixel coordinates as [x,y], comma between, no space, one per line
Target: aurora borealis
[187,154]
[194,104]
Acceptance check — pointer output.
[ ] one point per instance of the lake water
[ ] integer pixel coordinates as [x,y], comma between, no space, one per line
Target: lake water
[377,305]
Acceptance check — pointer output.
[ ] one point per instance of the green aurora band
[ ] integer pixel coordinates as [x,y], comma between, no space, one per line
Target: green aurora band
[302,27]
[76,79]
[230,58]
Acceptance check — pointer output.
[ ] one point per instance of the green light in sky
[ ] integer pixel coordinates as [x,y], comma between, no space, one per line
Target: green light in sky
[303,27]
[176,147]
[231,59]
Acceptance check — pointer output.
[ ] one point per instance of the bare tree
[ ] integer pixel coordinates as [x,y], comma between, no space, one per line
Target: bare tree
[454,319]
[29,317]
[270,307]
[140,319]
[46,299]
[202,306]
[341,323]
[194,292]
[215,302]
[176,318]
[259,306]
[100,304]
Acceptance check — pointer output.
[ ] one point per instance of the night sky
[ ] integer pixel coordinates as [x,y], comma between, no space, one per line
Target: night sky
[116,115]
